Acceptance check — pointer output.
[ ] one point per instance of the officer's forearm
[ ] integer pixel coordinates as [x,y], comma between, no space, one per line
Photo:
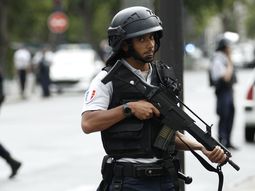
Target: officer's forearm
[229,72]
[180,138]
[93,121]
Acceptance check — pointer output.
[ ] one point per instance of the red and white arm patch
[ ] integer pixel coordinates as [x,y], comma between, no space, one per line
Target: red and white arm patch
[90,95]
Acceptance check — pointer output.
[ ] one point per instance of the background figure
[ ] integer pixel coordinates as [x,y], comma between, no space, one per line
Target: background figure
[14,164]
[2,96]
[42,61]
[22,58]
[223,77]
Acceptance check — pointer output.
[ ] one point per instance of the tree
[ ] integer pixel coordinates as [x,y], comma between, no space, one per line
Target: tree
[3,33]
[202,11]
[26,22]
[250,24]
[96,16]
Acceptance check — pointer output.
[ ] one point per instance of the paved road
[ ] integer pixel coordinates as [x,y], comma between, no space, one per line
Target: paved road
[45,135]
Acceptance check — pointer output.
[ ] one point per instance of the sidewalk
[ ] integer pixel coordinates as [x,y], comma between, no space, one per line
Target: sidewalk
[246,185]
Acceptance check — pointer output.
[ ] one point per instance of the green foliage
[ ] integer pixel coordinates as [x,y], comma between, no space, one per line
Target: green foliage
[75,32]
[202,11]
[250,22]
[27,20]
[90,19]
[102,14]
[198,6]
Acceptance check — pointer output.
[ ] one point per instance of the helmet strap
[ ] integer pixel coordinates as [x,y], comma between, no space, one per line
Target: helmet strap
[157,41]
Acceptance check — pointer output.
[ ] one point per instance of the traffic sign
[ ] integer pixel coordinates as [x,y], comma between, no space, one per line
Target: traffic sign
[58,22]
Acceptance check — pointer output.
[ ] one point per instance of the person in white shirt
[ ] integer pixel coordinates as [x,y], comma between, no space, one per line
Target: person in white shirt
[22,60]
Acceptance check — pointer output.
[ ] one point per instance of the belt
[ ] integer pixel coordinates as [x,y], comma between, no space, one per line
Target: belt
[139,170]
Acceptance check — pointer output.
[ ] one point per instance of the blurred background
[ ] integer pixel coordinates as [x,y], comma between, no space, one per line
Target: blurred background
[70,38]
[38,24]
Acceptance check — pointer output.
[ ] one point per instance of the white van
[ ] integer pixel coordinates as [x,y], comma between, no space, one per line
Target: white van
[73,67]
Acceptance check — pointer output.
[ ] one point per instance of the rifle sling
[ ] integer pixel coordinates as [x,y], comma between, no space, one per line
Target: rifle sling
[207,165]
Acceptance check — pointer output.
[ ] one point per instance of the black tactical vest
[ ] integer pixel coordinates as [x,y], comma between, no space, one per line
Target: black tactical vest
[131,137]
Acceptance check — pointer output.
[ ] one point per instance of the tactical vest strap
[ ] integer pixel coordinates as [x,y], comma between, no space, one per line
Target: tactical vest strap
[130,137]
[167,77]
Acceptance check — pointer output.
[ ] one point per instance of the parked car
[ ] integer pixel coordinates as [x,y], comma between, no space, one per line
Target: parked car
[249,111]
[73,67]
[243,54]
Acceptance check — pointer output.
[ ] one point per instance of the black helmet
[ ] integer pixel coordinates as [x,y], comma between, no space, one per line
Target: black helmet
[222,44]
[132,22]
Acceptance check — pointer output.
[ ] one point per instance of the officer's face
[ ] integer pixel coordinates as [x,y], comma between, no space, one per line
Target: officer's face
[145,46]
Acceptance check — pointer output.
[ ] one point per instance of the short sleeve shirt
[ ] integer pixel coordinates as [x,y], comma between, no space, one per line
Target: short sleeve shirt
[98,95]
[218,67]
[22,58]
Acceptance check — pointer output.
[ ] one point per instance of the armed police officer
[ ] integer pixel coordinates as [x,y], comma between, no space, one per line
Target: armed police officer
[224,77]
[128,123]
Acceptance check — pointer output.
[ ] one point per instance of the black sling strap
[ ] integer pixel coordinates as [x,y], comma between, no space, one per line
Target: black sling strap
[208,166]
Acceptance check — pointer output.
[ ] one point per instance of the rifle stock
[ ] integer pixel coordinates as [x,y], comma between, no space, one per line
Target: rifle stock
[172,115]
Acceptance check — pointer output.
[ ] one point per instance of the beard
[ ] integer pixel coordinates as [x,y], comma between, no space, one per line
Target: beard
[147,58]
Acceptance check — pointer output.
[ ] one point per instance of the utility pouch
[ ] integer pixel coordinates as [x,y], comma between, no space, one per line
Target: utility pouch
[107,169]
[172,165]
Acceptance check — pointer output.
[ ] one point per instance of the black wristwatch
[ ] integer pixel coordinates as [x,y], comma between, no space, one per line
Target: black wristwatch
[127,111]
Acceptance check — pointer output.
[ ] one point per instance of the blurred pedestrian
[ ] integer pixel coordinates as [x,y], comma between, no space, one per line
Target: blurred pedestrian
[223,77]
[2,96]
[42,61]
[14,164]
[22,59]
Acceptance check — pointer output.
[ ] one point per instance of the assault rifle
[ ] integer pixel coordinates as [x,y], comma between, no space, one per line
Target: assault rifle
[172,115]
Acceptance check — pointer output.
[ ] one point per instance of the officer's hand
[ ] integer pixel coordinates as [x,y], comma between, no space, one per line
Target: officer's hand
[216,155]
[143,109]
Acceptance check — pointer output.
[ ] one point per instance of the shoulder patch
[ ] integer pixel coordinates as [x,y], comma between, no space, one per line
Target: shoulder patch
[90,95]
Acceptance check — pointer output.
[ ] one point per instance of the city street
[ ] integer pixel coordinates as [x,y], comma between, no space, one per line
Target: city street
[201,99]
[45,134]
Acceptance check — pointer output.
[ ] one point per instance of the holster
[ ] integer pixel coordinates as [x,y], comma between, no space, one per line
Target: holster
[107,174]
[172,165]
